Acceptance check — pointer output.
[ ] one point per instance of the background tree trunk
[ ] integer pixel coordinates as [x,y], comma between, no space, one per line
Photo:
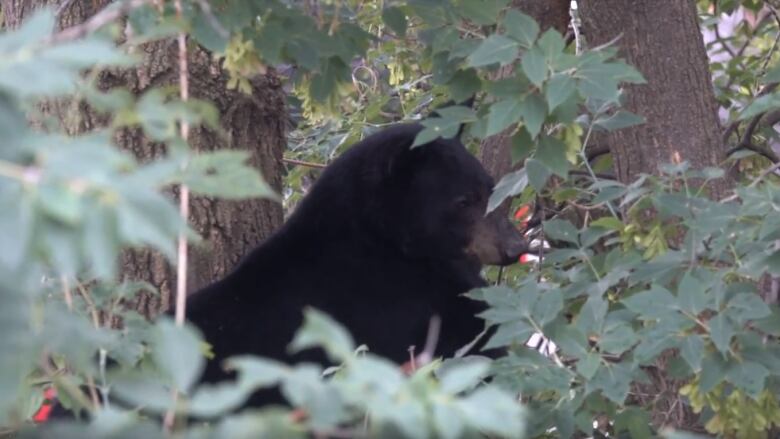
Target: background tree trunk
[256,122]
[663,41]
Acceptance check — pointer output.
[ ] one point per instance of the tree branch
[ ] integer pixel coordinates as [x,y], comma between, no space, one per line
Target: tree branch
[97,21]
[765,152]
[595,151]
[302,163]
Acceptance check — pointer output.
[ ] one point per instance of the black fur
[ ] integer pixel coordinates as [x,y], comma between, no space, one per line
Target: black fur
[379,244]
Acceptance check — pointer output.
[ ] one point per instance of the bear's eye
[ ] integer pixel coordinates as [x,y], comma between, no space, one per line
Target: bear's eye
[462,202]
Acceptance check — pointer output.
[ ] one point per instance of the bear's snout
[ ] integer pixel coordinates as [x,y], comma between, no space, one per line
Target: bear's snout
[496,241]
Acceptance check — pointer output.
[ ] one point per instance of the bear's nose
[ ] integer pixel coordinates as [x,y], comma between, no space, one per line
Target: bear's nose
[514,246]
[512,242]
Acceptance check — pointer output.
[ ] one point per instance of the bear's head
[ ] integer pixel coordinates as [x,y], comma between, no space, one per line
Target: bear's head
[440,193]
[428,203]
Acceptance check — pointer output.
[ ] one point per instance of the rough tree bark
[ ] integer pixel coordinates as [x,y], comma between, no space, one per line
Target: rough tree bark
[494,151]
[256,122]
[663,41]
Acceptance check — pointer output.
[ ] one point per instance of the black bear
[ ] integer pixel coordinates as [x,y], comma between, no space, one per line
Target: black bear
[388,237]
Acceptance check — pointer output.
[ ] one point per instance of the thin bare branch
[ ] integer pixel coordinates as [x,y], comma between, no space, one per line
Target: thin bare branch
[97,21]
[303,163]
[184,211]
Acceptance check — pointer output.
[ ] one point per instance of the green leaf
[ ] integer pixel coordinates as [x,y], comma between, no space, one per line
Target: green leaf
[692,350]
[561,230]
[510,185]
[558,90]
[522,146]
[464,84]
[257,373]
[589,365]
[547,307]
[721,332]
[395,18]
[748,376]
[521,27]
[614,382]
[86,53]
[509,333]
[534,66]
[538,174]
[691,295]
[552,153]
[146,217]
[503,114]
[619,120]
[435,127]
[769,324]
[214,400]
[551,44]
[38,26]
[19,353]
[745,307]
[102,241]
[60,202]
[305,388]
[636,422]
[761,105]
[319,330]
[225,174]
[772,75]
[495,49]
[533,110]
[480,12]
[655,303]
[592,315]
[713,371]
[608,222]
[176,351]
[494,412]
[464,375]
[618,339]
[447,422]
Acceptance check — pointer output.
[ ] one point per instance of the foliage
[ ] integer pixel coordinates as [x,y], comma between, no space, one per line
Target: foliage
[614,306]
[650,268]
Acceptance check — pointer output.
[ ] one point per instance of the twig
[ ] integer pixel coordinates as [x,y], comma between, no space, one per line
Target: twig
[303,163]
[755,182]
[62,7]
[184,210]
[600,175]
[66,292]
[431,340]
[753,122]
[767,153]
[90,305]
[97,21]
[764,174]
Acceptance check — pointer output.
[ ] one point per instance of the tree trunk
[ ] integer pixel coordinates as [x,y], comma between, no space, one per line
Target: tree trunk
[494,151]
[663,41]
[256,122]
[677,102]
